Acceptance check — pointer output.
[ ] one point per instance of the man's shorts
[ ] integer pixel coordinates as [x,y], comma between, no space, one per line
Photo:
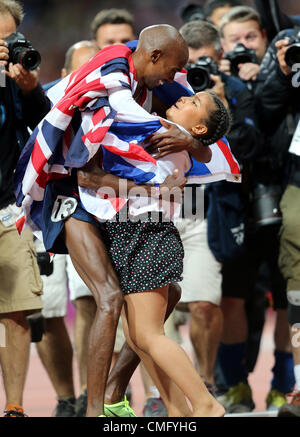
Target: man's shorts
[20,281]
[201,271]
[55,286]
[289,259]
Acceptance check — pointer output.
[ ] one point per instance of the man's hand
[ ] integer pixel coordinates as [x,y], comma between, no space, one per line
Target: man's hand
[172,141]
[248,71]
[225,66]
[173,181]
[282,46]
[219,88]
[26,80]
[4,53]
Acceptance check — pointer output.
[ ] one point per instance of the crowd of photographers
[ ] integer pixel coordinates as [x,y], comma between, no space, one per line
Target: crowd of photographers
[244,255]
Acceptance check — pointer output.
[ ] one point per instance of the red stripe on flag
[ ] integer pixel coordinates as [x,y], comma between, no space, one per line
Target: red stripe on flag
[134,152]
[117,203]
[20,224]
[37,157]
[234,168]
[105,55]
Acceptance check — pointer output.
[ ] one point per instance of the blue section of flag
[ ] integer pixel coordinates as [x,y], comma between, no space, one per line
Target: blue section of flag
[169,93]
[120,167]
[120,64]
[134,131]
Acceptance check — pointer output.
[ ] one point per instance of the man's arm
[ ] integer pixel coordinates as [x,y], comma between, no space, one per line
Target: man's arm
[92,176]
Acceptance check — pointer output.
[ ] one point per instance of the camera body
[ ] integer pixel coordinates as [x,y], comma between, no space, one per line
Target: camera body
[198,73]
[240,55]
[22,52]
[44,263]
[266,194]
[266,199]
[292,55]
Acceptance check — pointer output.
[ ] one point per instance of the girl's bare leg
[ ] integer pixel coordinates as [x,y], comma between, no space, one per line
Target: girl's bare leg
[172,396]
[145,315]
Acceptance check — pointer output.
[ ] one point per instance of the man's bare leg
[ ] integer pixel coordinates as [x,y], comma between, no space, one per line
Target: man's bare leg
[92,263]
[206,325]
[85,315]
[128,360]
[14,356]
[56,353]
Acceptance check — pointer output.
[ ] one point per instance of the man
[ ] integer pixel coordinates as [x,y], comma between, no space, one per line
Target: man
[278,94]
[55,348]
[243,301]
[24,104]
[161,52]
[215,9]
[112,26]
[242,25]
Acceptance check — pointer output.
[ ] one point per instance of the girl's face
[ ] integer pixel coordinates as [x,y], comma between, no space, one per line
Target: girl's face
[192,112]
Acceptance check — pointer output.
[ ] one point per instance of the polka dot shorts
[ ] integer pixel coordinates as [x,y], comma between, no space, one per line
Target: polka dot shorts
[145,255]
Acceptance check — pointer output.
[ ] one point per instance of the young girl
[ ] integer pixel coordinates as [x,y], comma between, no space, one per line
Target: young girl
[147,256]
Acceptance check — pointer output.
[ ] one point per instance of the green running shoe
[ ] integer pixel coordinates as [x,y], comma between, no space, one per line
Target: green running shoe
[238,399]
[275,400]
[120,409]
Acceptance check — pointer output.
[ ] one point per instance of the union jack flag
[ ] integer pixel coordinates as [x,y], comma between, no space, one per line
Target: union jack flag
[82,119]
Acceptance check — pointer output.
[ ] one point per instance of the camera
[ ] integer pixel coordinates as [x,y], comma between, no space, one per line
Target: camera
[266,194]
[44,263]
[198,73]
[266,200]
[292,55]
[22,52]
[192,12]
[240,55]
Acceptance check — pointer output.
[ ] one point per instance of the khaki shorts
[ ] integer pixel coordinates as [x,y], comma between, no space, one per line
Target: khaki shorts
[201,271]
[289,257]
[20,281]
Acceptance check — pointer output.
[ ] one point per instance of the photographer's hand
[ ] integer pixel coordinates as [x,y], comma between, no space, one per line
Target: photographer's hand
[174,141]
[225,67]
[282,46]
[4,53]
[26,80]
[248,71]
[219,88]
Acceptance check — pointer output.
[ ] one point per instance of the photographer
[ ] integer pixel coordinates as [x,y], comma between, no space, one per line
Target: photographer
[23,104]
[242,25]
[246,279]
[201,287]
[278,101]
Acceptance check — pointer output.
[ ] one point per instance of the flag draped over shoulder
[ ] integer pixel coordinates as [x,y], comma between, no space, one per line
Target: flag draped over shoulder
[81,120]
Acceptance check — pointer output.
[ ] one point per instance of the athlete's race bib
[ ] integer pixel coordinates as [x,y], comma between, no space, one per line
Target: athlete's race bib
[63,207]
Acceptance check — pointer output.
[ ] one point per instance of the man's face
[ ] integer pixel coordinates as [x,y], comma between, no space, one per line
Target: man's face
[210,51]
[7,25]
[164,69]
[247,33]
[218,14]
[109,34]
[80,57]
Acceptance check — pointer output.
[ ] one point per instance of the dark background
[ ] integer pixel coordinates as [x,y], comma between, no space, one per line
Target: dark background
[54,25]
